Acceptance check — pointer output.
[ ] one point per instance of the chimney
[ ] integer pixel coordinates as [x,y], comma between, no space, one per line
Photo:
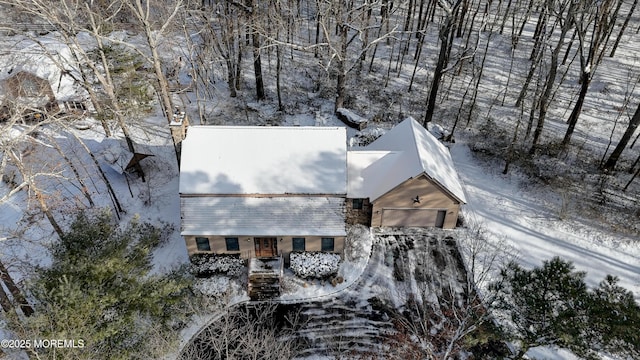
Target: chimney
[178,127]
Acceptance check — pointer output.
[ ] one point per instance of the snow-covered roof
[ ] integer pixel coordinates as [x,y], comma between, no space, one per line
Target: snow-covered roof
[117,155]
[264,160]
[268,216]
[360,185]
[406,151]
[43,59]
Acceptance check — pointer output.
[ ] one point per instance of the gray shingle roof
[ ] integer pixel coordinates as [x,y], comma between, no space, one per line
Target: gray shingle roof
[268,216]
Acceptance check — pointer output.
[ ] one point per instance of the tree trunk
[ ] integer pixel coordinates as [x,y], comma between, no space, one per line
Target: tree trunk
[551,78]
[622,29]
[341,88]
[278,68]
[5,302]
[318,19]
[112,193]
[109,88]
[536,56]
[477,85]
[575,113]
[568,51]
[443,34]
[163,85]
[631,180]
[88,87]
[257,61]
[615,155]
[602,27]
[26,176]
[83,186]
[257,66]
[512,144]
[231,79]
[463,13]
[506,16]
[27,310]
[365,43]
[407,20]
[538,33]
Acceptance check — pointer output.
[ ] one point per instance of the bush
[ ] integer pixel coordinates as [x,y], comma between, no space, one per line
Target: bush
[206,265]
[317,265]
[99,288]
[551,305]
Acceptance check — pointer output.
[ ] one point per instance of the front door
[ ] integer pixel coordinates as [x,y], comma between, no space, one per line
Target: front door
[266,246]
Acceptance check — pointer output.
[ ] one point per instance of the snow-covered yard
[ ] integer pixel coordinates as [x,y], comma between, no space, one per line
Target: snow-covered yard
[529,222]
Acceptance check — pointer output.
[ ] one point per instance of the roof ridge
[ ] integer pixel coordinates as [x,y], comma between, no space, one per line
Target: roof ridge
[415,146]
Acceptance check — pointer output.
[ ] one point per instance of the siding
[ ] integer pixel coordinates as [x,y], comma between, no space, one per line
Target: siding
[432,197]
[218,244]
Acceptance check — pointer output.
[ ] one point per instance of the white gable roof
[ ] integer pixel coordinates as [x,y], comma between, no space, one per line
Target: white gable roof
[264,160]
[367,173]
[410,151]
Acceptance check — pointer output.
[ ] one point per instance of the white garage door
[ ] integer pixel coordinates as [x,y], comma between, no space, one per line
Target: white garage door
[413,217]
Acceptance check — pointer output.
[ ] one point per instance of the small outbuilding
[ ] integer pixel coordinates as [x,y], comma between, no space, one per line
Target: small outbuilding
[25,90]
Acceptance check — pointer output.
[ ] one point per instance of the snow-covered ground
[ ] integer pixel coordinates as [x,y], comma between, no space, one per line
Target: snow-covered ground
[529,222]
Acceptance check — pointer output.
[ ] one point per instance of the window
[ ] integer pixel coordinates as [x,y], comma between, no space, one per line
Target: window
[203,244]
[298,243]
[357,204]
[327,244]
[232,244]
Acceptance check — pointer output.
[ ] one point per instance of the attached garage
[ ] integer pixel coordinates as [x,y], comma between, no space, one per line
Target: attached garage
[408,183]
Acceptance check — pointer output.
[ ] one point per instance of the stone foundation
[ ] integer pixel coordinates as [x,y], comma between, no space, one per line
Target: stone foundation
[358,216]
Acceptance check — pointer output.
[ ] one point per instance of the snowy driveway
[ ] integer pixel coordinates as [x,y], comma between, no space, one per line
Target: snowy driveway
[529,223]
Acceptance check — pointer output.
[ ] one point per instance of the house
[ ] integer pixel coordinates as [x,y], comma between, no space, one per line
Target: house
[263,191]
[266,191]
[24,90]
[404,178]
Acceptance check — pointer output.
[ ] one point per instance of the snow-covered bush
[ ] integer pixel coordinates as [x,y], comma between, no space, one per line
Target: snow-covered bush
[205,265]
[314,264]
[366,136]
[214,286]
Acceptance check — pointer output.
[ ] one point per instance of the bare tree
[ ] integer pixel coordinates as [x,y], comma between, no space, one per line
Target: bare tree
[72,17]
[255,15]
[147,14]
[565,16]
[31,166]
[220,31]
[246,332]
[352,23]
[623,28]
[445,34]
[622,144]
[602,16]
